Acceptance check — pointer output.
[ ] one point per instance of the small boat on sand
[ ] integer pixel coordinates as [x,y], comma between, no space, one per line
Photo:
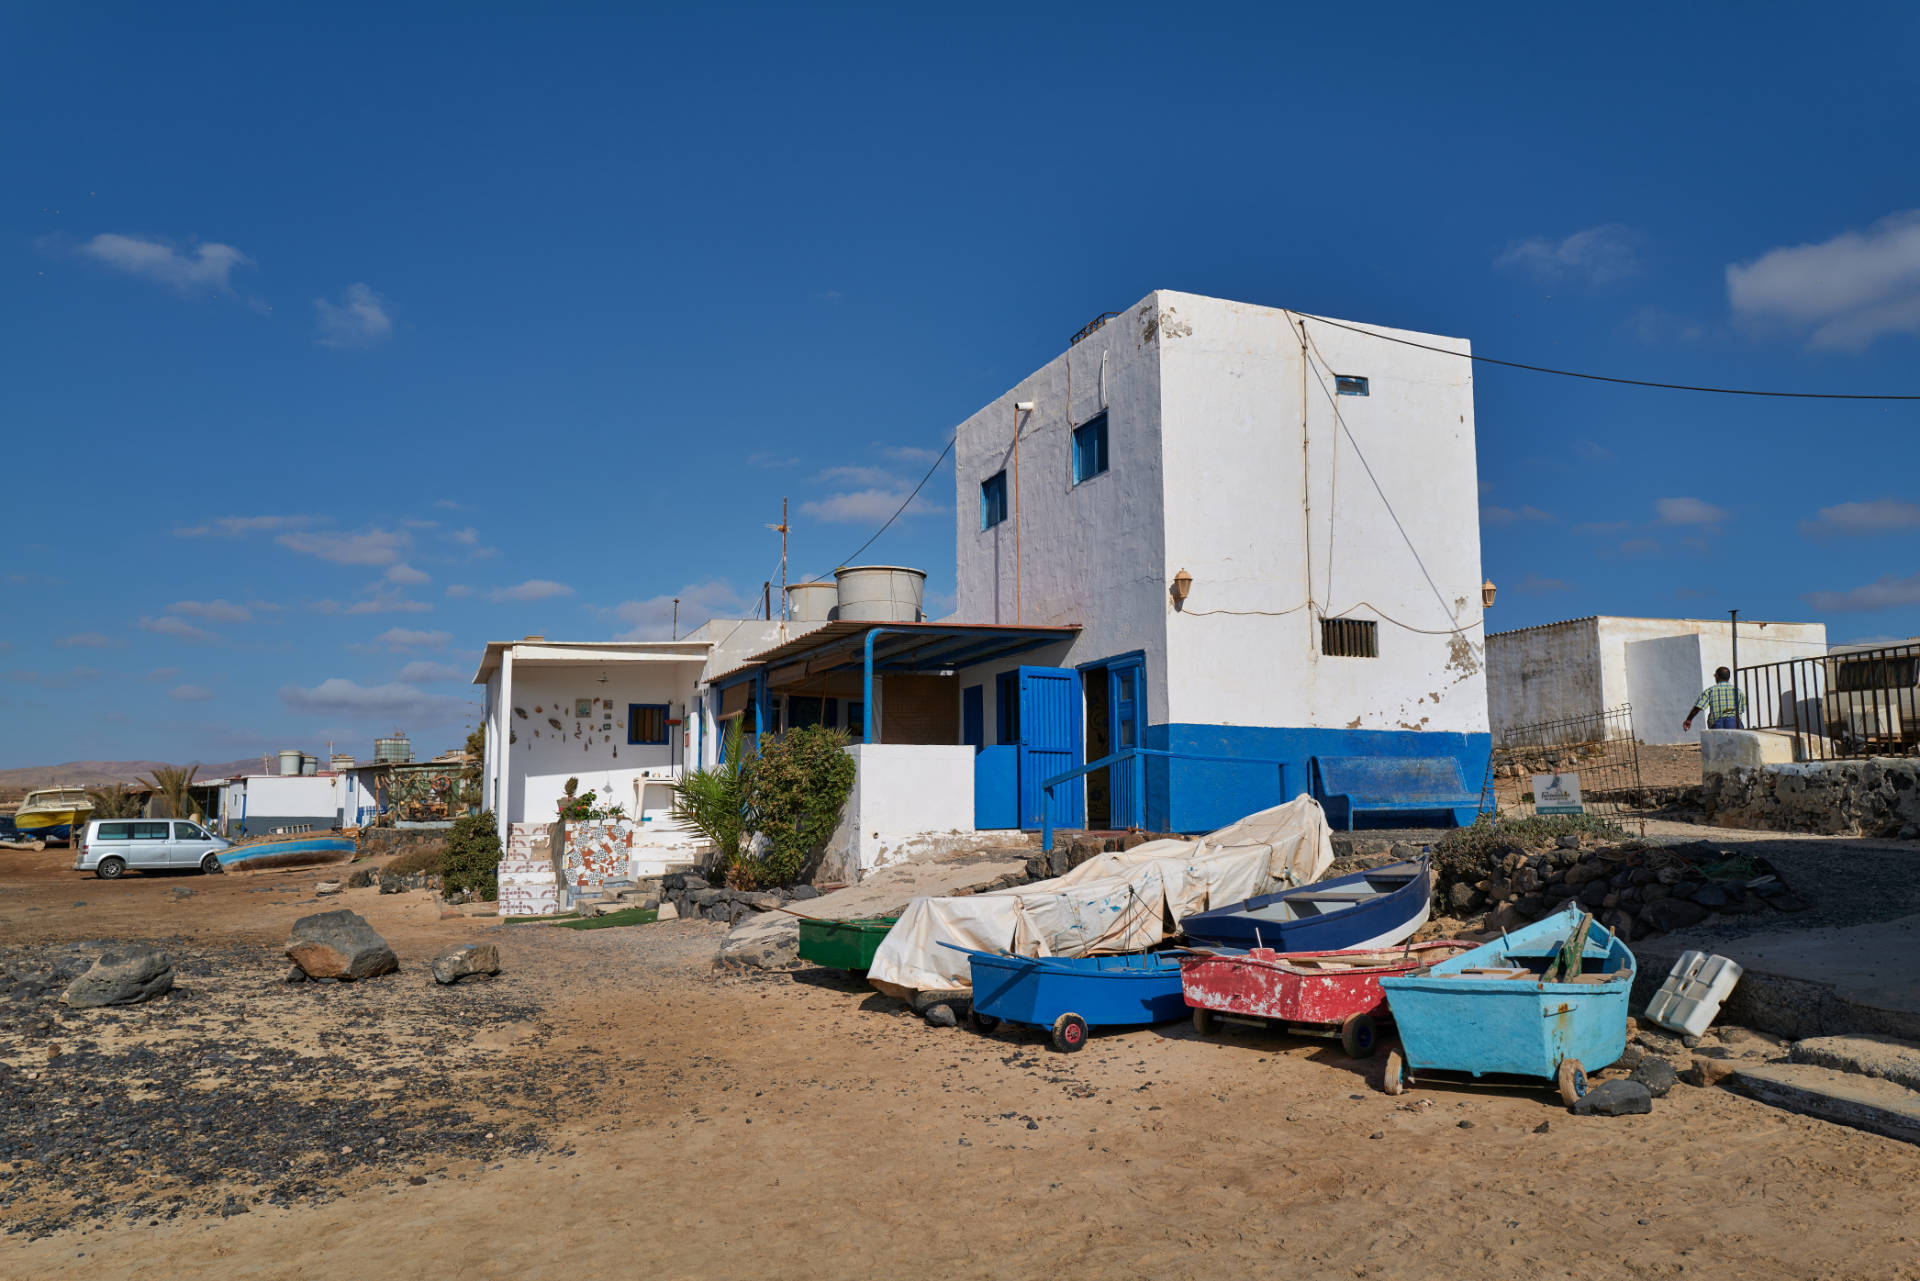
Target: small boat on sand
[843,945]
[305,849]
[1066,995]
[1375,908]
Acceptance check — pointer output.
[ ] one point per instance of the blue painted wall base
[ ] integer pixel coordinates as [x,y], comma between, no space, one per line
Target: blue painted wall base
[1196,796]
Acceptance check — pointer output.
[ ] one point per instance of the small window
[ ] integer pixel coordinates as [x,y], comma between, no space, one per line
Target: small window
[647,724]
[188,832]
[857,721]
[1090,448]
[149,831]
[1349,638]
[993,500]
[116,831]
[1350,384]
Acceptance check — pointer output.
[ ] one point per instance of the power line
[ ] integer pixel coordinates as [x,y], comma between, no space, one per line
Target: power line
[1603,378]
[903,506]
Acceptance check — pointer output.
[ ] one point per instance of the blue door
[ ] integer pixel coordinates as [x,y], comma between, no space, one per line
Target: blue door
[1125,697]
[1050,743]
[973,716]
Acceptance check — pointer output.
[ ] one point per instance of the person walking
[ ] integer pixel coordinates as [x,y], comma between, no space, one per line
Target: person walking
[1724,703]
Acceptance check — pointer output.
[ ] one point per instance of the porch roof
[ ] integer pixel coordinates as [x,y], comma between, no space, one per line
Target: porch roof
[546,653]
[899,647]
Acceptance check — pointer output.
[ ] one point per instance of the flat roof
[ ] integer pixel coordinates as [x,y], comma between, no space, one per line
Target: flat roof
[559,653]
[904,647]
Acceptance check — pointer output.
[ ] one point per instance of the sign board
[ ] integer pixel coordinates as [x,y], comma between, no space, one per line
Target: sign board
[1557,794]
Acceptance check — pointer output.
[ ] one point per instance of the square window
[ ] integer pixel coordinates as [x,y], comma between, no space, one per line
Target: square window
[647,724]
[993,500]
[1349,638]
[1350,385]
[1090,448]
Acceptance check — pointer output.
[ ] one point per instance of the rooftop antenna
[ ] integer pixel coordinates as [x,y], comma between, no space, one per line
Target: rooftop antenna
[676,618]
[781,529]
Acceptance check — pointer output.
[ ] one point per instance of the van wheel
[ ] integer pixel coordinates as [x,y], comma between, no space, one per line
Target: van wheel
[110,869]
[210,864]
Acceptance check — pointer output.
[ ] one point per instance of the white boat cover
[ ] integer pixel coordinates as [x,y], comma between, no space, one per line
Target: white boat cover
[1120,902]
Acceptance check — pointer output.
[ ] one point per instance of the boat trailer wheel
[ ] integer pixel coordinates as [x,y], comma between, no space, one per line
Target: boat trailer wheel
[982,1022]
[1069,1033]
[1205,1022]
[1572,1080]
[1395,1080]
[1359,1035]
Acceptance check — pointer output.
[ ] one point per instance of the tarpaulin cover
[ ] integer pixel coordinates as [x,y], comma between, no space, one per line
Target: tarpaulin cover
[1120,902]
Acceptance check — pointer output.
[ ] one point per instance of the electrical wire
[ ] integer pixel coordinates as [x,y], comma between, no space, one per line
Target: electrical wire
[903,506]
[1603,378]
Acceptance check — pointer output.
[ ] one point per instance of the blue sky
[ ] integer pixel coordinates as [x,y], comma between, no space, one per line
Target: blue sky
[336,347]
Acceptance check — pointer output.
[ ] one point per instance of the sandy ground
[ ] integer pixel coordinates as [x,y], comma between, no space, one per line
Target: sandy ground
[674,1123]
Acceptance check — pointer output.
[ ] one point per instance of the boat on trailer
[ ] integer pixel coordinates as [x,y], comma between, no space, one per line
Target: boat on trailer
[1375,908]
[1067,995]
[303,849]
[49,814]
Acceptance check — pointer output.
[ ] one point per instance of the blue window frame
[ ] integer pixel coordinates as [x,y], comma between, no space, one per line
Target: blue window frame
[647,724]
[993,499]
[1350,385]
[1090,448]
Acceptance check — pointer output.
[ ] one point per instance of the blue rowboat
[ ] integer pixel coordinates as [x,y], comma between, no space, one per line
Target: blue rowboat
[1504,1009]
[1372,909]
[303,850]
[1066,995]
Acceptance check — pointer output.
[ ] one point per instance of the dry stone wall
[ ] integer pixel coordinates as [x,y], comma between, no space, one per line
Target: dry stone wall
[1877,797]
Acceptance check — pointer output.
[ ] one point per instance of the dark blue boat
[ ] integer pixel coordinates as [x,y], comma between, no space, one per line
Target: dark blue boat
[1372,909]
[1066,995]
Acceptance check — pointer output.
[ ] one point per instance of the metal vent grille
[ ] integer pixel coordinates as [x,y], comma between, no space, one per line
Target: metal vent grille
[1349,638]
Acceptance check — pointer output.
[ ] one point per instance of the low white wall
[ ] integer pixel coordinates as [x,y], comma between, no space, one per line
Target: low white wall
[1724,750]
[902,794]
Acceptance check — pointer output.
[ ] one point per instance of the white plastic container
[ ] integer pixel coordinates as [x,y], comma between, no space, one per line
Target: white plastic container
[1691,997]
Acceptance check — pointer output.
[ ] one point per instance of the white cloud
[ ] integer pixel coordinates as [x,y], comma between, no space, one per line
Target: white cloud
[382,602]
[422,672]
[235,526]
[368,547]
[911,454]
[408,638]
[85,640]
[206,266]
[407,575]
[214,611]
[190,693]
[392,701]
[1591,451]
[1842,293]
[1598,255]
[359,319]
[179,629]
[467,537]
[449,504]
[532,589]
[871,477]
[457,590]
[1510,515]
[1688,511]
[1883,593]
[866,505]
[1876,516]
[652,618]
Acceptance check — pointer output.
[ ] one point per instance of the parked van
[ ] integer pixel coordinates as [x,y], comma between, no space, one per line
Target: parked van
[113,845]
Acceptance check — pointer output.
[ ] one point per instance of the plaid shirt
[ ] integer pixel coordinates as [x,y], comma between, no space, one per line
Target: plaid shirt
[1721,700]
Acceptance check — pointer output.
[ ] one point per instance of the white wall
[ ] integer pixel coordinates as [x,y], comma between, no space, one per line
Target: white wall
[1541,674]
[315,798]
[902,794]
[541,759]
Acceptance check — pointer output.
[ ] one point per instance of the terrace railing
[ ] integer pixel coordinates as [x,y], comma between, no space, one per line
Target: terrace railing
[1844,706]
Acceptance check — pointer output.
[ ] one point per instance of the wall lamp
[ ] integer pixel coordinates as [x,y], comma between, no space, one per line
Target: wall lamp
[1487,589]
[1182,584]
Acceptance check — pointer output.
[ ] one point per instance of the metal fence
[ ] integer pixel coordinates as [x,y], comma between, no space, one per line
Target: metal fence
[1840,706]
[1599,749]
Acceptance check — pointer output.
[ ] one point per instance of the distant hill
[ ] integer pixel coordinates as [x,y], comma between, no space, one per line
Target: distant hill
[96,773]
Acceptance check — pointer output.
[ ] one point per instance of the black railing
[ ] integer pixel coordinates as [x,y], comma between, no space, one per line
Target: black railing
[1599,748]
[1091,326]
[1841,706]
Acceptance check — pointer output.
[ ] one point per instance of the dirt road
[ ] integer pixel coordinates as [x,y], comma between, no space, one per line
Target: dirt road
[610,1107]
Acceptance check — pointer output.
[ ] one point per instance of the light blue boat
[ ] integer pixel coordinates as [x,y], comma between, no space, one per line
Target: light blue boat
[1494,1012]
[298,850]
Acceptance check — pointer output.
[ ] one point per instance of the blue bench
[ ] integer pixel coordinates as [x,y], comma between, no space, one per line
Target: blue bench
[1374,784]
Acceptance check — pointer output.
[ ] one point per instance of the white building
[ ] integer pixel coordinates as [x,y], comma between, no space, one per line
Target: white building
[1586,666]
[260,804]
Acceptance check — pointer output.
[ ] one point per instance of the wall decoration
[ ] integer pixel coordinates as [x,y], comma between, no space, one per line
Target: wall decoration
[583,707]
[539,709]
[521,712]
[608,703]
[555,722]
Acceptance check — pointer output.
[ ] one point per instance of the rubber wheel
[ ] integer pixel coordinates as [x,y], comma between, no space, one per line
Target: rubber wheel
[982,1022]
[210,864]
[1069,1034]
[1572,1080]
[110,869]
[1205,1022]
[1395,1081]
[1359,1035]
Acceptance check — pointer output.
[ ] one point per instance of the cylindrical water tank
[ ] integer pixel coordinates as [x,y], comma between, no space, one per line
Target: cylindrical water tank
[812,602]
[309,764]
[290,761]
[880,593]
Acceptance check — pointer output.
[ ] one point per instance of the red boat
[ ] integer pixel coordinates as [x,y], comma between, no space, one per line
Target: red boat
[1317,993]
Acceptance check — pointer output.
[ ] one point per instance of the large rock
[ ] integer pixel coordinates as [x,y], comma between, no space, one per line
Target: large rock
[339,945]
[459,961]
[1615,1098]
[1656,1074]
[1672,914]
[122,977]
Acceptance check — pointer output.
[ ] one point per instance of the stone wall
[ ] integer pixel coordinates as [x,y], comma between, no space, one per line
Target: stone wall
[1878,797]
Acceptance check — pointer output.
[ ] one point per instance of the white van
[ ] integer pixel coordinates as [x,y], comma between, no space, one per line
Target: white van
[112,845]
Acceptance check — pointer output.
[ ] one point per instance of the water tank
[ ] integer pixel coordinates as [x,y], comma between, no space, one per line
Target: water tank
[395,749]
[290,761]
[812,602]
[309,765]
[880,593]
[341,760]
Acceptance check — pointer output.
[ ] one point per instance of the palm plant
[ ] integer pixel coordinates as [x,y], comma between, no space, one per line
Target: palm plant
[170,784]
[714,800]
[114,802]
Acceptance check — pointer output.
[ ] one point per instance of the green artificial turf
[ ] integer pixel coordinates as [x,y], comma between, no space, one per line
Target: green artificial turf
[625,916]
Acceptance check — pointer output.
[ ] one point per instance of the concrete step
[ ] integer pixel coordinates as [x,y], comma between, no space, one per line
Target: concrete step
[1844,1098]
[1874,1056]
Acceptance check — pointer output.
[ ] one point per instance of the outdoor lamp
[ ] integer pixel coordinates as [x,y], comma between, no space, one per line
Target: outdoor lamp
[1182,584]
[1487,589]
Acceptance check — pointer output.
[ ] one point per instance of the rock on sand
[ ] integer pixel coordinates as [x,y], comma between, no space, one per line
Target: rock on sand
[339,945]
[465,960]
[122,977]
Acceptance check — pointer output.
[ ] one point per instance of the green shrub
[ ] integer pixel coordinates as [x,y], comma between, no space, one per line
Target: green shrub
[472,858]
[795,789]
[714,801]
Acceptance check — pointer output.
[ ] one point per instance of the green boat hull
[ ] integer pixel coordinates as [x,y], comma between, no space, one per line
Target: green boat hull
[843,945]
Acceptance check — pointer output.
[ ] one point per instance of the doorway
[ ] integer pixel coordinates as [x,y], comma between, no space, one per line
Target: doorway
[1115,693]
